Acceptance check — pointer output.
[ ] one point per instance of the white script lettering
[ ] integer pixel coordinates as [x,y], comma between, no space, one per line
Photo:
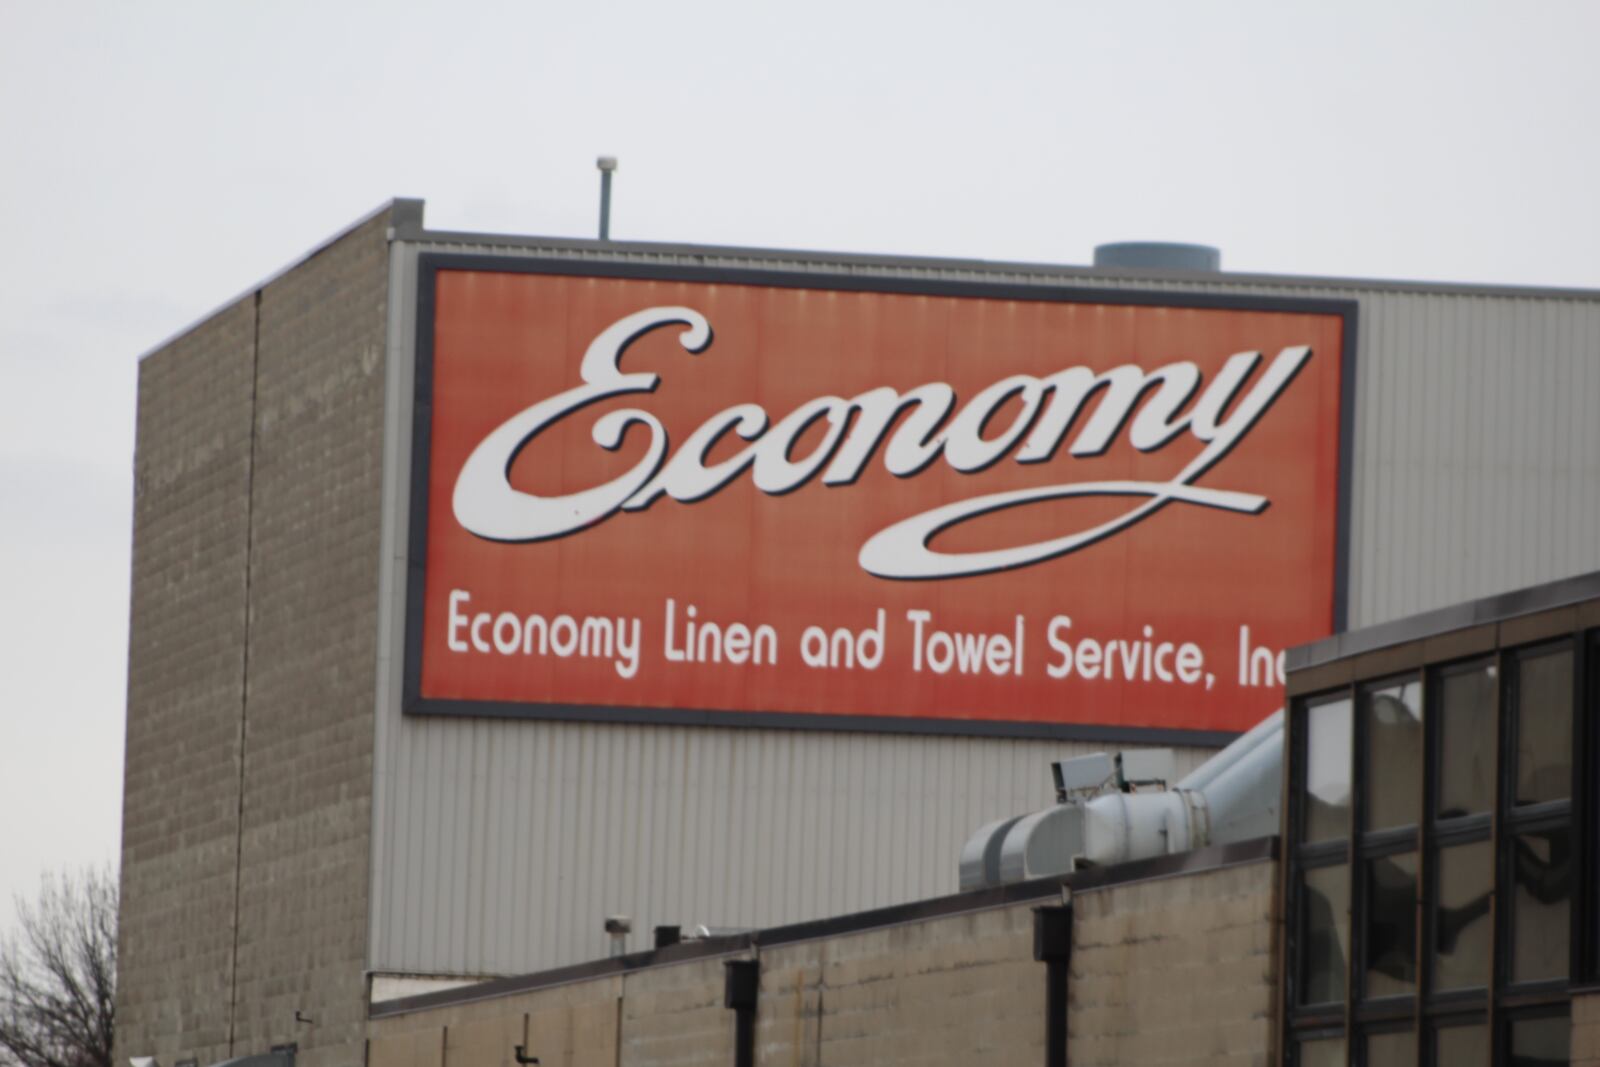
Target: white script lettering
[1153,401]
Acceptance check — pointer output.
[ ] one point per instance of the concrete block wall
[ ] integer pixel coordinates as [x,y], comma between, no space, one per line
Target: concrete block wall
[674,1016]
[570,1025]
[180,810]
[1172,970]
[1177,970]
[958,989]
[247,808]
[308,729]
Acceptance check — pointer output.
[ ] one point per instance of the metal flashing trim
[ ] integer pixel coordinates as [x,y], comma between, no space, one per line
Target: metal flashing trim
[1091,733]
[930,266]
[1493,609]
[1198,861]
[684,951]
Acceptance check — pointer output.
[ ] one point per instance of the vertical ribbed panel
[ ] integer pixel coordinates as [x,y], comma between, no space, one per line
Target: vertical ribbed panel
[1477,452]
[501,845]
[517,838]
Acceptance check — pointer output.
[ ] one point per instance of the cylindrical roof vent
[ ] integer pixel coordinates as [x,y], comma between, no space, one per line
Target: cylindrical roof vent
[1158,255]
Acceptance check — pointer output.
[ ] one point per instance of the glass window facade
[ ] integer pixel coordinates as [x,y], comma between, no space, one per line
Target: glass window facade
[1437,853]
[1392,742]
[1541,1041]
[1327,790]
[1541,877]
[1390,934]
[1544,727]
[1466,741]
[1325,933]
[1462,931]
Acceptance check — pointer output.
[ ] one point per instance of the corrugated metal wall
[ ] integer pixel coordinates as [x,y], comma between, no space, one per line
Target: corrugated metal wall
[500,846]
[509,842]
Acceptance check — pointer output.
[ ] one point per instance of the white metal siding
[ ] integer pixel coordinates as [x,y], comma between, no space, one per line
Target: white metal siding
[518,838]
[499,846]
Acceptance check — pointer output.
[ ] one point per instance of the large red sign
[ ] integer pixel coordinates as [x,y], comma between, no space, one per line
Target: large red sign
[751,499]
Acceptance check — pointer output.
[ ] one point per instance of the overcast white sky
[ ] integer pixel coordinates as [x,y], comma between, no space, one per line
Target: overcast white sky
[157,158]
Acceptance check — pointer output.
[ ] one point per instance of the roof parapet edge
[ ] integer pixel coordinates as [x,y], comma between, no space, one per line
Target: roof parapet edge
[622,251]
[1497,608]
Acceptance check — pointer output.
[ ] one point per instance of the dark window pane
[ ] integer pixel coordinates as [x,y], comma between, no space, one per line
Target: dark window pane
[1541,871]
[1392,1050]
[1544,727]
[1466,742]
[1327,800]
[1391,935]
[1461,925]
[1393,719]
[1324,934]
[1540,1042]
[1322,1052]
[1461,1046]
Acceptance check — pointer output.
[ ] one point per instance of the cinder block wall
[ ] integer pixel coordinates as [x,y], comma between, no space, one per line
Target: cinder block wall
[312,663]
[180,807]
[961,989]
[674,1016]
[956,990]
[247,808]
[571,1025]
[1176,971]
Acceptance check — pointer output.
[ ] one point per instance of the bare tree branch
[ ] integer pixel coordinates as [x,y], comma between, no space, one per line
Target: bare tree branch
[58,976]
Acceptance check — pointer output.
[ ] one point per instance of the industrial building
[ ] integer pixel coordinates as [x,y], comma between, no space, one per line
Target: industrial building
[489,587]
[1433,902]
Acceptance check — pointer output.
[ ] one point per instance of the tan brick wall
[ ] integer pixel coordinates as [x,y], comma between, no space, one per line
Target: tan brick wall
[1175,971]
[1586,1031]
[789,1013]
[673,1016]
[959,989]
[180,805]
[312,656]
[571,1025]
[254,611]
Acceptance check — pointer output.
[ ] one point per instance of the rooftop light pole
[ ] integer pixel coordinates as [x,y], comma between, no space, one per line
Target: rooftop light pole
[607,166]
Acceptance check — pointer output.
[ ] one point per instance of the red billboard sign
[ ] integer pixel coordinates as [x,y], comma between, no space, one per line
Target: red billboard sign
[738,498]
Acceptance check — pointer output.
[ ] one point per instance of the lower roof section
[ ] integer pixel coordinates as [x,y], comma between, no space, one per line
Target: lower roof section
[1043,890]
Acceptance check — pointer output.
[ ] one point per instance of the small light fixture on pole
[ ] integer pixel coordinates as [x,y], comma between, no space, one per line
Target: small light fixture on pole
[608,166]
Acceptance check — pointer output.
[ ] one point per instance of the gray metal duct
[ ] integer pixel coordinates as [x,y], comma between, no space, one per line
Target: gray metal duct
[1233,796]
[980,856]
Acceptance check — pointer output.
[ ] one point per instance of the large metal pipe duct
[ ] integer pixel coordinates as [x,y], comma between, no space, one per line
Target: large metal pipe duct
[980,857]
[1233,796]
